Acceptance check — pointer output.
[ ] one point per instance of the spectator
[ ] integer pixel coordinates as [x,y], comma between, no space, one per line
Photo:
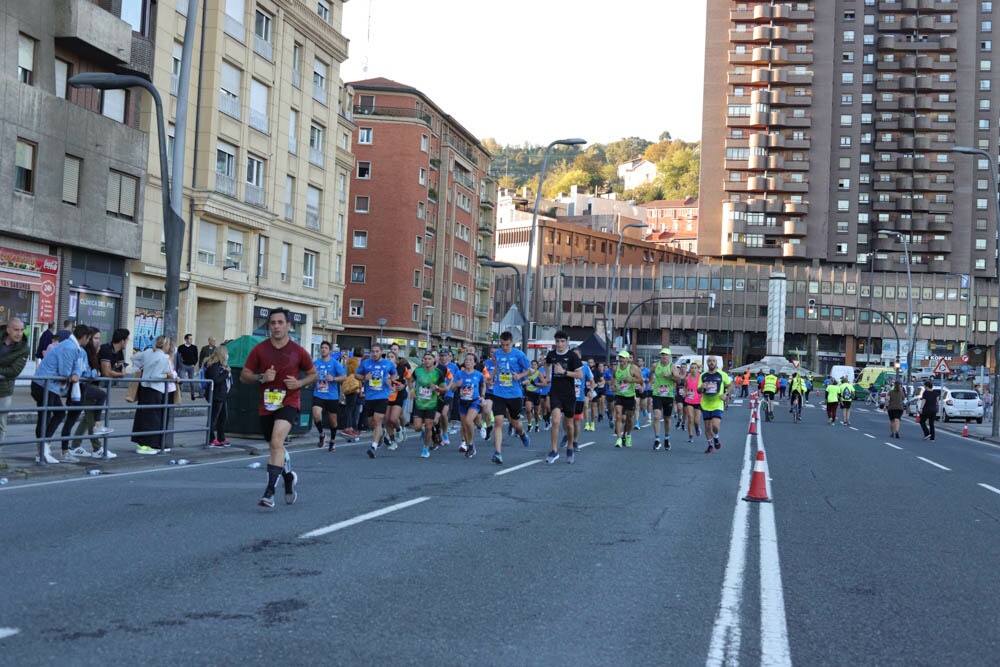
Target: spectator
[13,355]
[151,415]
[987,403]
[64,333]
[45,340]
[187,355]
[206,352]
[218,372]
[92,395]
[60,361]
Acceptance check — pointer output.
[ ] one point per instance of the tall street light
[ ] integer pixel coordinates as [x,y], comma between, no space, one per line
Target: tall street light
[576,141]
[607,343]
[990,160]
[428,310]
[381,322]
[493,264]
[173,223]
[612,306]
[909,297]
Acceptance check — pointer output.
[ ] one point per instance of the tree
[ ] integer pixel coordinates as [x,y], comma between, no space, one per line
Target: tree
[645,192]
[625,149]
[677,174]
[563,181]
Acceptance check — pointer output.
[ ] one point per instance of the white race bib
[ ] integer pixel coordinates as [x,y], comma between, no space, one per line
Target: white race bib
[273,399]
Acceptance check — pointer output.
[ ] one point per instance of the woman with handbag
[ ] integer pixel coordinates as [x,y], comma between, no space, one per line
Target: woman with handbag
[217,371]
[151,415]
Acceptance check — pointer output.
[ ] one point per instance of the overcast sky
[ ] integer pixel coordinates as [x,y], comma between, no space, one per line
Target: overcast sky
[521,71]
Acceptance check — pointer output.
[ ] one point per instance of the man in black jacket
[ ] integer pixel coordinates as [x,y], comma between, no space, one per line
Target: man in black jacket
[13,355]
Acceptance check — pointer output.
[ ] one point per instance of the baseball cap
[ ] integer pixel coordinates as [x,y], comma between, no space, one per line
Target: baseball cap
[624,354]
[665,350]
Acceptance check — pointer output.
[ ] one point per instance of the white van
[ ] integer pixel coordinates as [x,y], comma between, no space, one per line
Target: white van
[850,372]
[688,358]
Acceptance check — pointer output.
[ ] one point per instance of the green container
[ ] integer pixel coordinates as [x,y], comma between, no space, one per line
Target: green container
[243,398]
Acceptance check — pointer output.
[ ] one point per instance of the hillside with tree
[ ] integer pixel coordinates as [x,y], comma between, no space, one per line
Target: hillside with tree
[596,167]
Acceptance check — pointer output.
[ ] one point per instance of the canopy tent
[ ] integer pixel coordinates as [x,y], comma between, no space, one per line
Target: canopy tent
[781,365]
[592,347]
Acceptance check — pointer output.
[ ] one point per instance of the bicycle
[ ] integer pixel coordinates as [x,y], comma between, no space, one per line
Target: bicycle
[871,399]
[797,407]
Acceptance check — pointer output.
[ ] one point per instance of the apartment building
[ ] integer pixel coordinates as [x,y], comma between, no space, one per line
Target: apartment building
[422,210]
[673,222]
[829,122]
[267,158]
[73,161]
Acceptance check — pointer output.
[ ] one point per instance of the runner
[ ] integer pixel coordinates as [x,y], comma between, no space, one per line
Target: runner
[646,395]
[326,393]
[512,367]
[846,399]
[584,387]
[563,367]
[609,395]
[470,385]
[395,432]
[446,358]
[597,407]
[531,399]
[692,401]
[714,385]
[832,391]
[627,377]
[427,382]
[489,372]
[275,364]
[377,374]
[664,383]
[543,407]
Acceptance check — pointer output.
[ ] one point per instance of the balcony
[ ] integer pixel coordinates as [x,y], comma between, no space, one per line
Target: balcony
[482,284]
[427,294]
[315,156]
[793,250]
[393,112]
[85,27]
[235,29]
[254,195]
[312,217]
[229,104]
[258,121]
[796,228]
[482,311]
[225,184]
[485,226]
[263,48]
[319,94]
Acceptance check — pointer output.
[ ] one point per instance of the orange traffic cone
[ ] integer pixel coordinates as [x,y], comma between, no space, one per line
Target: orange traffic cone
[753,424]
[965,430]
[758,482]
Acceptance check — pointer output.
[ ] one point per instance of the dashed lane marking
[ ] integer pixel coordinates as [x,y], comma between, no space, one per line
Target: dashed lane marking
[10,632]
[892,445]
[364,517]
[990,488]
[936,465]
[517,467]
[869,435]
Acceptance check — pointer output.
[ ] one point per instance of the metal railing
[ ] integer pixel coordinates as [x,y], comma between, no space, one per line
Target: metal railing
[54,389]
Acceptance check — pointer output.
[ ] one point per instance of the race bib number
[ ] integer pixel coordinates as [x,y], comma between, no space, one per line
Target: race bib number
[663,390]
[375,383]
[506,380]
[710,388]
[273,399]
[323,387]
[468,393]
[425,392]
[623,386]
[577,383]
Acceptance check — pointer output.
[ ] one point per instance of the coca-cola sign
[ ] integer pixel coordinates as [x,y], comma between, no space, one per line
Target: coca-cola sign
[22,260]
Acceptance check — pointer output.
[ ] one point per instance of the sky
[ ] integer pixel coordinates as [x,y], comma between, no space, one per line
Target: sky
[534,71]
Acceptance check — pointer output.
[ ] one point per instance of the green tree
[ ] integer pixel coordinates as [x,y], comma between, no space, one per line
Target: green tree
[625,149]
[677,174]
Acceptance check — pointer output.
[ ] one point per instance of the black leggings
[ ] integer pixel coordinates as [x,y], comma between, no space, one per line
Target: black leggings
[927,423]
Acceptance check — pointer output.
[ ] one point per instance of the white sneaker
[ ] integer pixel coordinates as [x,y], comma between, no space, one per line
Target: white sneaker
[81,452]
[67,457]
[103,430]
[47,453]
[100,454]
[482,432]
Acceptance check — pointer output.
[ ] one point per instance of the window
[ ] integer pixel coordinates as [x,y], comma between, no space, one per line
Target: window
[364,135]
[364,169]
[424,142]
[258,105]
[229,93]
[297,65]
[313,197]
[289,197]
[208,239]
[357,273]
[71,179]
[847,77]
[255,180]
[980,244]
[323,10]
[841,249]
[225,168]
[234,249]
[134,12]
[25,59]
[309,269]
[360,239]
[342,187]
[286,252]
[356,308]
[418,246]
[319,81]
[420,210]
[416,278]
[848,36]
[361,204]
[316,135]
[62,76]
[261,256]
[293,132]
[24,166]
[235,13]
[422,176]
[415,312]
[122,195]
[262,34]
[113,104]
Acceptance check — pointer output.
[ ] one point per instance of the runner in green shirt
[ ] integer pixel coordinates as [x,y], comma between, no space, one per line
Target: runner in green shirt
[426,383]
[664,388]
[714,387]
[627,375]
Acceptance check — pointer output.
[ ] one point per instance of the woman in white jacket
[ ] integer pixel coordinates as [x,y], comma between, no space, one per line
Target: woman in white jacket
[151,415]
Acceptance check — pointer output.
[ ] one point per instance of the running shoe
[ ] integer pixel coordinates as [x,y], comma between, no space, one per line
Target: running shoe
[266,501]
[710,449]
[102,454]
[571,455]
[635,427]
[656,445]
[68,457]
[445,440]
[332,447]
[697,429]
[628,441]
[552,457]
[482,432]
[716,443]
[80,452]
[424,452]
[103,430]
[618,443]
[548,425]
[215,444]
[564,441]
[470,452]
[497,458]
[525,440]
[666,444]
[146,451]
[320,444]
[291,495]
[371,451]
[463,447]
[489,432]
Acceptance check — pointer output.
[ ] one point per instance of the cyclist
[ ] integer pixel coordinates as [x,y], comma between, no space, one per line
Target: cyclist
[798,391]
[770,387]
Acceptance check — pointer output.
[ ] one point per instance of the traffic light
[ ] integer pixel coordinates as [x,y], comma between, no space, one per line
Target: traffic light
[812,306]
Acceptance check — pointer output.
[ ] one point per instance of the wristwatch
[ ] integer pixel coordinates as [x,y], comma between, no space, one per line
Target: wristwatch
[260,379]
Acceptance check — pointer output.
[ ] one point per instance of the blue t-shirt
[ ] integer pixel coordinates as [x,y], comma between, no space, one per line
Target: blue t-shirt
[609,382]
[453,369]
[581,383]
[645,378]
[324,388]
[378,386]
[543,389]
[508,365]
[468,384]
[490,367]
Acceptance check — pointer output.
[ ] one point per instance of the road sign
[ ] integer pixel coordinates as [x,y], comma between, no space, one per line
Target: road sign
[942,367]
[965,358]
[795,362]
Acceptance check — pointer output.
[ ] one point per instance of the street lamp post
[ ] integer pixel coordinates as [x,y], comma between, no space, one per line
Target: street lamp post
[381,322]
[428,310]
[968,150]
[909,298]
[612,306]
[173,223]
[528,283]
[493,264]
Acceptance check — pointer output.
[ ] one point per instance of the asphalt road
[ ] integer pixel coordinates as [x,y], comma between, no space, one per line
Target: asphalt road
[869,554]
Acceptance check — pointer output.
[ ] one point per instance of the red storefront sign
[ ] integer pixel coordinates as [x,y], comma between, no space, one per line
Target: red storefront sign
[34,272]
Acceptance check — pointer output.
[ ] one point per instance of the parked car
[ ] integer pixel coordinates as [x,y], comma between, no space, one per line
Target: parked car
[961,404]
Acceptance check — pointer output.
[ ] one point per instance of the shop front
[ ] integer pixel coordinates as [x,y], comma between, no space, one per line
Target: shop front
[28,289]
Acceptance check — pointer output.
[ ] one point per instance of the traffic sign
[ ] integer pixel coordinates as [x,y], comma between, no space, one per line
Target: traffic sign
[965,358]
[942,367]
[795,362]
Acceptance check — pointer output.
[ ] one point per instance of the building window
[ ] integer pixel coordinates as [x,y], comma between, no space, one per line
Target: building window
[360,239]
[364,169]
[416,278]
[261,256]
[418,245]
[422,176]
[258,105]
[113,104]
[208,240]
[313,206]
[847,77]
[364,135]
[357,273]
[319,81]
[316,135]
[255,181]
[323,10]
[225,169]
[286,253]
[24,166]
[361,204]
[234,249]
[424,142]
[293,131]
[297,65]
[235,13]
[62,76]
[25,59]
[342,187]
[420,210]
[229,91]
[289,198]
[262,44]
[71,179]
[309,269]
[356,308]
[121,195]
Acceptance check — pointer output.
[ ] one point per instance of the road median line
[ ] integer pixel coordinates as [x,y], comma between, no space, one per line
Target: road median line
[936,465]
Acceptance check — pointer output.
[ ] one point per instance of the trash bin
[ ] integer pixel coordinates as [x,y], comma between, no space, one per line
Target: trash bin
[244,398]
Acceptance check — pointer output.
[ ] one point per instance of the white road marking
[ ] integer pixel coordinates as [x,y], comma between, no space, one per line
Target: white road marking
[517,467]
[892,445]
[990,488]
[855,428]
[869,435]
[586,444]
[364,517]
[774,648]
[936,465]
[8,632]
[724,648]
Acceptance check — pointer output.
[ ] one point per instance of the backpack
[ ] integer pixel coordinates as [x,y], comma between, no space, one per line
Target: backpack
[848,393]
[351,385]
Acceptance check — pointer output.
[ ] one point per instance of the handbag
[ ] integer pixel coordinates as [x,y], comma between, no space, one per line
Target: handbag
[175,396]
[132,391]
